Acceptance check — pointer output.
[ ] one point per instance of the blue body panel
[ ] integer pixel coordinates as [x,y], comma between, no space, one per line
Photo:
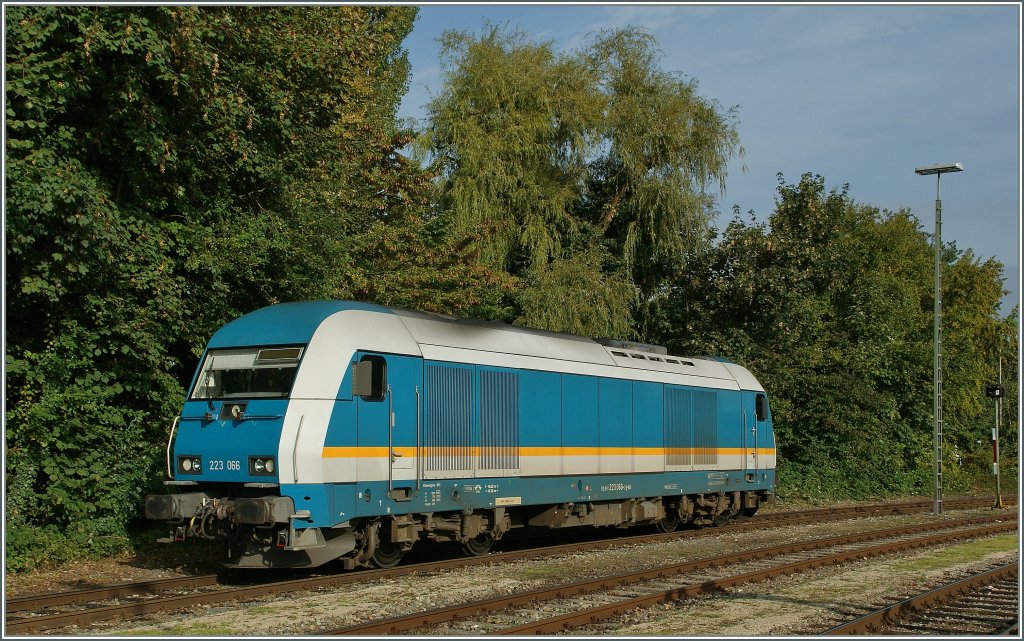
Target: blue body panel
[540,407]
[225,445]
[648,417]
[579,411]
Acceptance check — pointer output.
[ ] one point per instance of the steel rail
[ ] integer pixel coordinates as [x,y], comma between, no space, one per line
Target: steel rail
[120,590]
[600,613]
[439,615]
[873,622]
[92,615]
[70,597]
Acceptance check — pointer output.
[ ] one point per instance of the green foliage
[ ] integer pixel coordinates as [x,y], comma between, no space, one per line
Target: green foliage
[593,166]
[171,168]
[576,295]
[829,303]
[168,169]
[420,265]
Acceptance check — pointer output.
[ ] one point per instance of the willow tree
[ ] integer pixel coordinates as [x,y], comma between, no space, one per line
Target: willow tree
[592,170]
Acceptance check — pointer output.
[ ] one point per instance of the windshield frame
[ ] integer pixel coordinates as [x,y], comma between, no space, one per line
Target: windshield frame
[247,360]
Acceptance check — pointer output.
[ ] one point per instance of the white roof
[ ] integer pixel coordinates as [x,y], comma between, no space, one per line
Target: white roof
[500,344]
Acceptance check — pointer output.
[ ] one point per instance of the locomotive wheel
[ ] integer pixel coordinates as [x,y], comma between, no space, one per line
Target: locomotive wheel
[725,518]
[668,524]
[478,546]
[387,555]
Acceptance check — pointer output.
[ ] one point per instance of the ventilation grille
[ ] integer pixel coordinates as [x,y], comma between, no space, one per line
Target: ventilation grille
[499,420]
[448,424]
[678,434]
[705,418]
[691,427]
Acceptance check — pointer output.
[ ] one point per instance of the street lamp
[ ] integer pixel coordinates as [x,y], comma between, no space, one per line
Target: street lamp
[938,170]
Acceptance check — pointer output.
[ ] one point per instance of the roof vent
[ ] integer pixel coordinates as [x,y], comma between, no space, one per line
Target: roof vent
[636,347]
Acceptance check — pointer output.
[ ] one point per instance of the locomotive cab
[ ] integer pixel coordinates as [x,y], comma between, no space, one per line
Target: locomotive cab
[225,443]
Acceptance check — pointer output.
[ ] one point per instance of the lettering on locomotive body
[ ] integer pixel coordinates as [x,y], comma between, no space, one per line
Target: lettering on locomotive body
[219,465]
[508,500]
[616,487]
[431,496]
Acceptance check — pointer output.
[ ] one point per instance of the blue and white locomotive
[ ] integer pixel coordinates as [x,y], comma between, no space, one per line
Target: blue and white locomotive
[340,430]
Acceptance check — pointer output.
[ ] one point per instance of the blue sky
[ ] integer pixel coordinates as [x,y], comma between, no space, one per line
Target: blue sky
[860,94]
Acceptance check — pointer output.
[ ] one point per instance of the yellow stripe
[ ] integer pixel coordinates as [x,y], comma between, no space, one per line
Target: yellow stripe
[382,451]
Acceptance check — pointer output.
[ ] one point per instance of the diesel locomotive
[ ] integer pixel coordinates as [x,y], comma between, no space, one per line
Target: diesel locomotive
[335,430]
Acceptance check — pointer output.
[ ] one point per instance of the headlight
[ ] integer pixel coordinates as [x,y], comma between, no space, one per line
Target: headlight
[190,464]
[261,465]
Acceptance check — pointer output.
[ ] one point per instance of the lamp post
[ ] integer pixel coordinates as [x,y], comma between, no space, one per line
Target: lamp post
[938,170]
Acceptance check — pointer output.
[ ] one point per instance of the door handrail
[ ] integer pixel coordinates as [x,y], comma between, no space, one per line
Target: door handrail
[418,446]
[391,447]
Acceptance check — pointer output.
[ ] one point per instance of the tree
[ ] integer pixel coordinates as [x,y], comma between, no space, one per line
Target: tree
[419,265]
[593,165]
[829,303]
[169,168]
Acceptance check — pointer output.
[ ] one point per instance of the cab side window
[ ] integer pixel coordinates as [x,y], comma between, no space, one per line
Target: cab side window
[761,407]
[369,378]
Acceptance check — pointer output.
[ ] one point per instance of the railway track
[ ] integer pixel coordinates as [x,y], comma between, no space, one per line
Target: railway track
[983,603]
[705,576]
[35,613]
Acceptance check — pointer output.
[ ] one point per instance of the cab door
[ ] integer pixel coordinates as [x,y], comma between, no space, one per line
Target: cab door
[755,416]
[386,389]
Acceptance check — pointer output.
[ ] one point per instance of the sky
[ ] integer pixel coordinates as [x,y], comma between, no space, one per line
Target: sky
[859,94]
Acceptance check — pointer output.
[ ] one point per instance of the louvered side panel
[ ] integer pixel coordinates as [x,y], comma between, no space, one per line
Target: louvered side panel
[448,418]
[705,419]
[499,420]
[678,422]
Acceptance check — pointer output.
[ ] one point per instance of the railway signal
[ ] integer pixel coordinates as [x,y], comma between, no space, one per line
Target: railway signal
[997,392]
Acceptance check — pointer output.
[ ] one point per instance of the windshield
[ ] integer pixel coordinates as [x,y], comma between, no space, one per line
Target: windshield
[253,372]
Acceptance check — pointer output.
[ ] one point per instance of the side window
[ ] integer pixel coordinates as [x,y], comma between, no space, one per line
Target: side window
[369,378]
[761,407]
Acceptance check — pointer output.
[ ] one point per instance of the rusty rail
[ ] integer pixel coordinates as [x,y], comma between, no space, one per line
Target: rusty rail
[35,602]
[875,621]
[440,615]
[26,623]
[600,613]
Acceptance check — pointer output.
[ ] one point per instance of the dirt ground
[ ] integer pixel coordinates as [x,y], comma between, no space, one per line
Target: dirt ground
[786,606]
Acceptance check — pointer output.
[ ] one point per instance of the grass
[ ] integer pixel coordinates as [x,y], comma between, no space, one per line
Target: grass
[544,572]
[197,629]
[971,551]
[261,609]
